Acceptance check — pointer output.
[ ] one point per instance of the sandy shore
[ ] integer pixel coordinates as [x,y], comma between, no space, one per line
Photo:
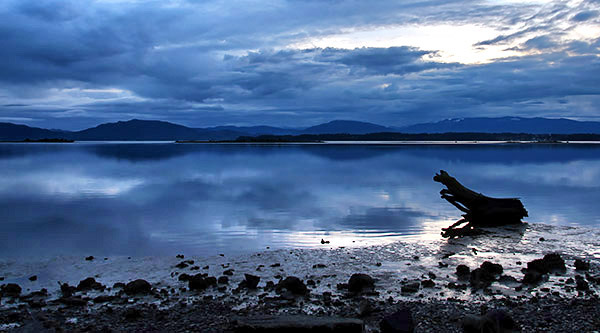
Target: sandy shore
[419,275]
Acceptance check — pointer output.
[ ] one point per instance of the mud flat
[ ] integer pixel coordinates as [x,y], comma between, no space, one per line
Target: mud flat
[533,278]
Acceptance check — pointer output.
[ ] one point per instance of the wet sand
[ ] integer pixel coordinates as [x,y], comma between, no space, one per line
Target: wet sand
[416,274]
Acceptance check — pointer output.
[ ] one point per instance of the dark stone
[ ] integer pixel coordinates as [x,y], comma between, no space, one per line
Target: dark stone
[184,277]
[270,285]
[455,286]
[90,258]
[494,269]
[411,287]
[89,284]
[359,282]
[311,283]
[495,321]
[251,281]
[400,321]
[463,271]
[11,290]
[431,275]
[228,272]
[33,278]
[551,263]
[481,279]
[179,256]
[198,282]
[581,284]
[428,283]
[211,281]
[138,286]
[223,279]
[67,290]
[119,285]
[293,285]
[299,323]
[582,265]
[276,265]
[319,266]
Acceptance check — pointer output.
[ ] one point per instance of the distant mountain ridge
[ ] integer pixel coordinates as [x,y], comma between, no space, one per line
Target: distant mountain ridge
[148,130]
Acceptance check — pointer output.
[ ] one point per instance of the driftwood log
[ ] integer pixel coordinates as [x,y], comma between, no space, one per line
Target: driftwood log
[479,210]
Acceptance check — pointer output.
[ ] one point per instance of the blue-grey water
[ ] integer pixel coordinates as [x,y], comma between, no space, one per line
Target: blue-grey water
[166,198]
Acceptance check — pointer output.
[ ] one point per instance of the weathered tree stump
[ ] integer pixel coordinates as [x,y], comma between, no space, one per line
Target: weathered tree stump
[480,210]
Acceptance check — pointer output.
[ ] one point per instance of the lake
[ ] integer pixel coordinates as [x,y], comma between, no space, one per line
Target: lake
[205,199]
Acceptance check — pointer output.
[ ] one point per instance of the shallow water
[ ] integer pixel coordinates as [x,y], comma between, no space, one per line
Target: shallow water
[148,199]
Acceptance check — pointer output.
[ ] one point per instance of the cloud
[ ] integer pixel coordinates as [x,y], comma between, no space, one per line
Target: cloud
[70,64]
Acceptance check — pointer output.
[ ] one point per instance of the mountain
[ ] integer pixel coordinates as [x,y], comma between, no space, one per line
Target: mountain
[16,132]
[346,126]
[505,125]
[254,130]
[135,129]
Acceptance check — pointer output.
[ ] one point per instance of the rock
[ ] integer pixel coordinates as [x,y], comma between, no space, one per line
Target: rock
[90,258]
[299,323]
[179,256]
[250,281]
[89,284]
[10,290]
[223,280]
[324,241]
[455,286]
[428,283]
[293,285]
[551,263]
[211,281]
[67,290]
[198,282]
[494,269]
[33,278]
[411,287]
[228,272]
[119,285]
[276,265]
[463,271]
[138,286]
[581,284]
[495,321]
[319,266]
[400,321]
[311,283]
[184,264]
[432,275]
[184,277]
[582,265]
[481,279]
[359,282]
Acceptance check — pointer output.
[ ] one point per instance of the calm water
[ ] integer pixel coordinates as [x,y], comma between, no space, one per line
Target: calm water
[165,198]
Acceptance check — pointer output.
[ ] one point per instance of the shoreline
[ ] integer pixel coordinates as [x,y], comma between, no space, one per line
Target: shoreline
[399,269]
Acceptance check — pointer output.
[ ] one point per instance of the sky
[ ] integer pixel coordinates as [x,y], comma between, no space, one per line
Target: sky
[73,64]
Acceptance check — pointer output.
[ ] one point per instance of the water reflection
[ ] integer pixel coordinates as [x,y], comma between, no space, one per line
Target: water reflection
[145,199]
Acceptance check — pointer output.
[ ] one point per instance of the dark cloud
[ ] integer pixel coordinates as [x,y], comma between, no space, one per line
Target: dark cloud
[72,64]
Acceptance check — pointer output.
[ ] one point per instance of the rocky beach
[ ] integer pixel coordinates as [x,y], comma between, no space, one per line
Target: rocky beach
[534,277]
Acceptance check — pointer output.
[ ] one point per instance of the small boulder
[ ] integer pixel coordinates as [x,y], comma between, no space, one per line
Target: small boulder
[198,282]
[184,277]
[10,290]
[359,282]
[90,258]
[33,278]
[463,271]
[138,286]
[223,280]
[427,283]
[400,321]
[228,272]
[582,265]
[89,284]
[293,285]
[250,281]
[67,290]
[581,283]
[411,287]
